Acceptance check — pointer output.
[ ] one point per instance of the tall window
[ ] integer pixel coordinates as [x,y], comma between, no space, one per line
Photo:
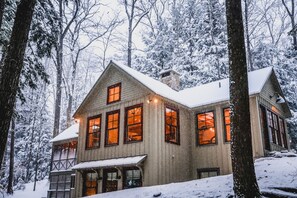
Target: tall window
[60,186]
[114,93]
[206,128]
[90,183]
[271,127]
[112,128]
[227,125]
[283,132]
[132,178]
[94,132]
[171,125]
[133,129]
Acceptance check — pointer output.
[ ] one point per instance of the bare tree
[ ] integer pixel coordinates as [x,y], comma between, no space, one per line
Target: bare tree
[245,183]
[64,26]
[291,13]
[135,11]
[11,157]
[13,64]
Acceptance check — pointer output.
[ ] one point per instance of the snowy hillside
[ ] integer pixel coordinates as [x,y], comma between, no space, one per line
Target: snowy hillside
[276,175]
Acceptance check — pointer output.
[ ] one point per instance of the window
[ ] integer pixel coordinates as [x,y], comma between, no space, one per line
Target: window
[114,93]
[277,132]
[94,132]
[283,132]
[90,183]
[171,125]
[207,172]
[64,156]
[112,128]
[132,178]
[60,186]
[206,128]
[227,125]
[133,129]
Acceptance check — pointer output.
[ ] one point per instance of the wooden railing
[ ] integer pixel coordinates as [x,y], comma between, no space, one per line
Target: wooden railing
[64,164]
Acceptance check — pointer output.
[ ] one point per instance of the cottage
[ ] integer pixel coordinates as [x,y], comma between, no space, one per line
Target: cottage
[137,131]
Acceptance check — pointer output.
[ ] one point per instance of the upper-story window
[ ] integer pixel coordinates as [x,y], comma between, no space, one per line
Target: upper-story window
[94,132]
[227,125]
[114,93]
[171,125]
[206,128]
[112,128]
[134,123]
[64,156]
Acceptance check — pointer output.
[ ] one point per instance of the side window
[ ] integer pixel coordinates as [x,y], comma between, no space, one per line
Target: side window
[227,125]
[207,172]
[134,124]
[114,93]
[206,128]
[112,128]
[94,132]
[171,125]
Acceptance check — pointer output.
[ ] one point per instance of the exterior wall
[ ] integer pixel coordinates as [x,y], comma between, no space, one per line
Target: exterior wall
[219,154]
[269,89]
[163,159]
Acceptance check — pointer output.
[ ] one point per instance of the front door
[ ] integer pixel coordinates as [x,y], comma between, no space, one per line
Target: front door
[110,182]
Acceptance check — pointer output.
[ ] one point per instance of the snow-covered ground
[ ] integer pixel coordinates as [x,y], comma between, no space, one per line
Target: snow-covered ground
[41,190]
[276,174]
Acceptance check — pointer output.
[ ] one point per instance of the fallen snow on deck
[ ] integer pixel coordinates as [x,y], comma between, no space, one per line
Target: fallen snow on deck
[127,161]
[209,93]
[69,133]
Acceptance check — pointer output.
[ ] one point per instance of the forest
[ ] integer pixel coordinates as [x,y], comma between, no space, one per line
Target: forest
[71,42]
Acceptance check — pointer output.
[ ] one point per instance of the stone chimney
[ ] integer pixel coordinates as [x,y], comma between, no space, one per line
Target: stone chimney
[170,78]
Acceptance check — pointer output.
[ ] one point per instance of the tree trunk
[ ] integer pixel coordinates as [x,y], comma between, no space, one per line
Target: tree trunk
[12,67]
[59,50]
[245,183]
[130,33]
[11,158]
[247,35]
[2,5]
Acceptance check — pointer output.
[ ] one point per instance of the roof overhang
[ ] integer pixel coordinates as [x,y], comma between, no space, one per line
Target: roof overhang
[111,163]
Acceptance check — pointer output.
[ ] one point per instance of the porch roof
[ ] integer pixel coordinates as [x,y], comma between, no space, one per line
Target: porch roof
[67,134]
[111,163]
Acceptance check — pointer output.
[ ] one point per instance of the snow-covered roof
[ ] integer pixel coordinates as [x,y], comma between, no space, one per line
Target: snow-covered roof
[117,162]
[209,93]
[69,133]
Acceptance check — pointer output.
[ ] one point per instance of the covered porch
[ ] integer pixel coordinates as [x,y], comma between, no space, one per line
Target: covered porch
[109,175]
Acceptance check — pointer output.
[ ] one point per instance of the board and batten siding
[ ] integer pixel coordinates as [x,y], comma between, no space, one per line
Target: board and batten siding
[165,162]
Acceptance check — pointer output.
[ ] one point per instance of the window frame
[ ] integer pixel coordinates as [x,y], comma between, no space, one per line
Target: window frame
[106,144]
[214,126]
[120,91]
[87,131]
[201,170]
[166,106]
[225,125]
[124,176]
[126,123]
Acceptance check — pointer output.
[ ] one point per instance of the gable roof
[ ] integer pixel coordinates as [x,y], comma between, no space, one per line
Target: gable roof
[69,133]
[217,91]
[209,93]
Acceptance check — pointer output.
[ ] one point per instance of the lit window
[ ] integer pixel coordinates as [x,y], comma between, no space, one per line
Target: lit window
[206,128]
[171,125]
[208,172]
[112,128]
[114,93]
[90,183]
[133,130]
[94,131]
[227,125]
[132,178]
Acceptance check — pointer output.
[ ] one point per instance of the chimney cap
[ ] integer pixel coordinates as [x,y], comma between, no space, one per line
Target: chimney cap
[170,70]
